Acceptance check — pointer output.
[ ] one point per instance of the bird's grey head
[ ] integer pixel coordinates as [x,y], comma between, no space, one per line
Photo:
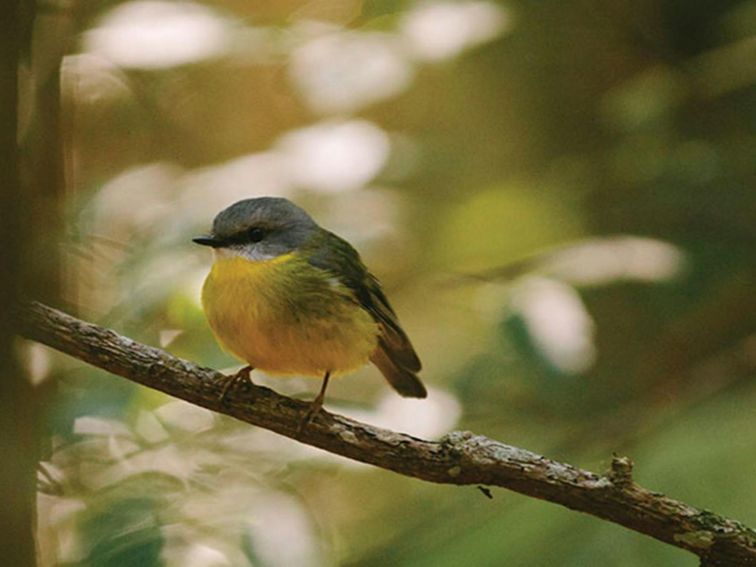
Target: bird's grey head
[259,229]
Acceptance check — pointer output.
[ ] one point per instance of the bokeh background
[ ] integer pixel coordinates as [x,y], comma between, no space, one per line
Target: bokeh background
[559,197]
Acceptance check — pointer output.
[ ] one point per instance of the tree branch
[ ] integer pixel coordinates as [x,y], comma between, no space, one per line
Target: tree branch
[460,458]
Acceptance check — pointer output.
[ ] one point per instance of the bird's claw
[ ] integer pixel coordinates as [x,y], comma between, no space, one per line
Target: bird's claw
[234,380]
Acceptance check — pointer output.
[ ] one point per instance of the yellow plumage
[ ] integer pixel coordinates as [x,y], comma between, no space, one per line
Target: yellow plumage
[288,297]
[284,316]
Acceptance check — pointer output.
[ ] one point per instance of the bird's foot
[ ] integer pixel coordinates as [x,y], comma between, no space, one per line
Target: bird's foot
[315,407]
[234,380]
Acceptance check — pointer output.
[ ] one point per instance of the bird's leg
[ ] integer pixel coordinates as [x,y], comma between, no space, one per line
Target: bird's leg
[235,379]
[316,404]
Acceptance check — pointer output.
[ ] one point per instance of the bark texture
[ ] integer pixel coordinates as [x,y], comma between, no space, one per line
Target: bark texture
[460,458]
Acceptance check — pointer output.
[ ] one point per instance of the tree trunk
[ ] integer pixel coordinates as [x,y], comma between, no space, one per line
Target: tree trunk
[17,408]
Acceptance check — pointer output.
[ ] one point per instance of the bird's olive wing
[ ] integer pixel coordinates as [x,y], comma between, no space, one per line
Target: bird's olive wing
[336,256]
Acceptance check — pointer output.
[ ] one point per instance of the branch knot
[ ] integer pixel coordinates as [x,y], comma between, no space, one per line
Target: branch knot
[621,472]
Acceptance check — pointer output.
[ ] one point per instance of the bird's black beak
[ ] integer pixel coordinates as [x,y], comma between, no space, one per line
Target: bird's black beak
[212,241]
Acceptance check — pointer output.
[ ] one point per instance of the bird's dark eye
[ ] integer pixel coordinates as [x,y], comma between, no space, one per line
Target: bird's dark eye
[255,234]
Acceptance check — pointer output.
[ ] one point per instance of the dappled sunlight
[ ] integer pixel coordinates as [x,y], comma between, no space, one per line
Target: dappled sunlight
[331,156]
[558,322]
[216,187]
[150,34]
[183,552]
[600,261]
[441,30]
[334,156]
[342,71]
[282,532]
[185,417]
[90,80]
[38,360]
[151,185]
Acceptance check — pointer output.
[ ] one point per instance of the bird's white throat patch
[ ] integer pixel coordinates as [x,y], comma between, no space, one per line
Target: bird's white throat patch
[252,253]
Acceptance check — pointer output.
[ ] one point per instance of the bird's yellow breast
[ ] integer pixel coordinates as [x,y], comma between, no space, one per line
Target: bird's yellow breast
[285,316]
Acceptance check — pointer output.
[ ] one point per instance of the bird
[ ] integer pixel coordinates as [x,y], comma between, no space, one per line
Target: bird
[289,297]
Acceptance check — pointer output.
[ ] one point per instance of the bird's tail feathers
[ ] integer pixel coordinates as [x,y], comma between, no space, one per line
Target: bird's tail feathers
[402,380]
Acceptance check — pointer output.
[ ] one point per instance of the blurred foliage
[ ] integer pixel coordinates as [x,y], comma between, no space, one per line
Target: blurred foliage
[558,196]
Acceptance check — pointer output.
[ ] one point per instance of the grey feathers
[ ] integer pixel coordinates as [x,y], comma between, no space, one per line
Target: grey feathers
[266,212]
[262,228]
